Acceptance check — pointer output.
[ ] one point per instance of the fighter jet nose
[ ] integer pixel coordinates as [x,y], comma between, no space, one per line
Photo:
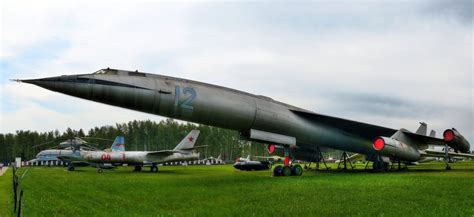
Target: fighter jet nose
[38,82]
[63,84]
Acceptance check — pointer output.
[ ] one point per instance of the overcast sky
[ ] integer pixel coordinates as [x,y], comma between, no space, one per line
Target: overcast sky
[392,63]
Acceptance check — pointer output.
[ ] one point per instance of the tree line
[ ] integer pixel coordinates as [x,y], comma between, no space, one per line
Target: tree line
[143,135]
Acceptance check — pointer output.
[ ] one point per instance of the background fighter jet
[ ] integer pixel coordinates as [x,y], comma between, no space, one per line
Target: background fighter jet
[74,157]
[182,152]
[298,132]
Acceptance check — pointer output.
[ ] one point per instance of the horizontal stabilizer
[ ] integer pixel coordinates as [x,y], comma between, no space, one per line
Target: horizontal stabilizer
[422,139]
[164,152]
[193,148]
[434,153]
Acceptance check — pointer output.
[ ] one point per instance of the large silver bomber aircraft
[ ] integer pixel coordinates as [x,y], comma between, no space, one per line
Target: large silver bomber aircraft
[298,132]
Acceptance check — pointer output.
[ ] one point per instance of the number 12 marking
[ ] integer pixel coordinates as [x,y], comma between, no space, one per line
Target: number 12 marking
[187,103]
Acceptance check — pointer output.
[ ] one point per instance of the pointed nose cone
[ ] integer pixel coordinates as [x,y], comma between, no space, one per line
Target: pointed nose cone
[58,84]
[66,84]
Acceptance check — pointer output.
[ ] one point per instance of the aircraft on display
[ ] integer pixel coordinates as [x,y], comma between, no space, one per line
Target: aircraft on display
[213,159]
[273,158]
[75,158]
[118,156]
[69,148]
[300,134]
[247,164]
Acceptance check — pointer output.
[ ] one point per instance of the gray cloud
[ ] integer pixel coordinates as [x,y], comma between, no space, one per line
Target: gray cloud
[390,63]
[459,10]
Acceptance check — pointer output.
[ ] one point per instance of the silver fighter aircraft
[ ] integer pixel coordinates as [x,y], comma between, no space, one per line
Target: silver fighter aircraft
[298,132]
[182,152]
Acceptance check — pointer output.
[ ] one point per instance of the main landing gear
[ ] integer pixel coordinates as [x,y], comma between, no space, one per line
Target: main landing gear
[379,164]
[293,170]
[287,169]
[70,167]
[154,168]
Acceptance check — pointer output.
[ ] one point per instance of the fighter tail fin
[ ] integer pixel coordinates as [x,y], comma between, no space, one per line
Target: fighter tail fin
[433,133]
[422,129]
[119,144]
[188,141]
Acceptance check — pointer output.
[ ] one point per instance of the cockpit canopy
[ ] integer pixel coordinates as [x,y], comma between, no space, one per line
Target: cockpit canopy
[109,71]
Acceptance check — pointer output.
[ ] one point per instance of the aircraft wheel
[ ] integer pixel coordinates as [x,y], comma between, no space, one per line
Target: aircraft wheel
[277,170]
[296,170]
[154,169]
[137,168]
[286,171]
[71,168]
[448,167]
[386,166]
[100,170]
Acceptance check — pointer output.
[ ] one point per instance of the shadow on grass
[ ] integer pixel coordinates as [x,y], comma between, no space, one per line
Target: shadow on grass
[392,171]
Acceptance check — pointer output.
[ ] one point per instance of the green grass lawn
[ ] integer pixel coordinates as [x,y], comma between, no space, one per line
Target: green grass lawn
[6,192]
[426,190]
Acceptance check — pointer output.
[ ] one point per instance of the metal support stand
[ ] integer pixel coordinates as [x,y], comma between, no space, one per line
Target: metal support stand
[321,158]
[344,159]
[446,157]
[307,166]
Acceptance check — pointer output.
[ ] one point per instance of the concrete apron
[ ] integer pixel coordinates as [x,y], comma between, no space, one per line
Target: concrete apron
[3,170]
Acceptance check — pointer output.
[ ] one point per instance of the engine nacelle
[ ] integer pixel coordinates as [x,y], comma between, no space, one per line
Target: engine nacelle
[456,141]
[393,148]
[278,149]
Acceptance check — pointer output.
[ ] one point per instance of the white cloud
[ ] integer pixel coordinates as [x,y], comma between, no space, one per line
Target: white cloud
[306,57]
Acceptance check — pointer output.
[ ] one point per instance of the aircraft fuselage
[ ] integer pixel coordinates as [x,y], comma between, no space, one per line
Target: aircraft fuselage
[205,104]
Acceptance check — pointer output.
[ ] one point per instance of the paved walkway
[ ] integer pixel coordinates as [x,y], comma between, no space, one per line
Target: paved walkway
[3,170]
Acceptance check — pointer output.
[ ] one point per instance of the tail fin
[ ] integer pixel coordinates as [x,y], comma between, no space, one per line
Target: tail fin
[422,129]
[188,141]
[433,133]
[119,144]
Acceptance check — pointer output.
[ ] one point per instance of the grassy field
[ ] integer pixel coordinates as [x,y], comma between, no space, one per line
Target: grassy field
[425,190]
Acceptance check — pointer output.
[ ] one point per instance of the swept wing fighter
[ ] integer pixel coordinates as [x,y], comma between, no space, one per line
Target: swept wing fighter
[182,152]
